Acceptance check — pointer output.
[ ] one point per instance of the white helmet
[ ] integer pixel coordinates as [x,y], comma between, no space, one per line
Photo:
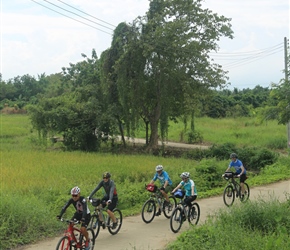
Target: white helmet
[185,175]
[75,191]
[159,168]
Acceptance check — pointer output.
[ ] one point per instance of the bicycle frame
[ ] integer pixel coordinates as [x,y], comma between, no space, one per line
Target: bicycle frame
[70,232]
[233,189]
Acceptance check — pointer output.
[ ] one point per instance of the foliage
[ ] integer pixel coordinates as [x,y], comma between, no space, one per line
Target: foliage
[53,172]
[166,64]
[260,225]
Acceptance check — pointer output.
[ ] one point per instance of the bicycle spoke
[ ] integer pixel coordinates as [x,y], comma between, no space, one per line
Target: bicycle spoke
[148,211]
[176,220]
[194,214]
[169,208]
[119,220]
[229,195]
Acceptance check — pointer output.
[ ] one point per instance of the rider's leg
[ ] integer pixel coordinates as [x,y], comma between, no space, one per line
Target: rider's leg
[242,180]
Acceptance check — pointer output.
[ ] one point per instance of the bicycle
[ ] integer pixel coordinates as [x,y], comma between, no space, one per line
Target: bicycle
[156,200]
[182,213]
[107,222]
[70,240]
[233,190]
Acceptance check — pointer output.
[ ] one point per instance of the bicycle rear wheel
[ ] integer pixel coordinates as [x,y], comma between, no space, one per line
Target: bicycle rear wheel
[168,209]
[119,217]
[148,211]
[246,194]
[229,195]
[95,225]
[64,244]
[176,220]
[194,214]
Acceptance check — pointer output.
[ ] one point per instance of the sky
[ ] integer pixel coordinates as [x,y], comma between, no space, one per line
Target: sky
[38,37]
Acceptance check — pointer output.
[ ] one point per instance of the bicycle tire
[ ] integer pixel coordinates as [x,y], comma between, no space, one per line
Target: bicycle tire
[95,225]
[167,210]
[229,195]
[194,214]
[64,244]
[148,211]
[247,193]
[176,219]
[119,217]
[92,237]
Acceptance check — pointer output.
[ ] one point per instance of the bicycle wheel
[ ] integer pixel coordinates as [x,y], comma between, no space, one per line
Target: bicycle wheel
[92,237]
[246,194]
[64,244]
[176,219]
[229,195]
[119,218]
[168,209]
[148,211]
[95,225]
[194,214]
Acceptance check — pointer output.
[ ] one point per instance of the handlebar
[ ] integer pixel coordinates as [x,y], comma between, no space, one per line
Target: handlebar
[75,222]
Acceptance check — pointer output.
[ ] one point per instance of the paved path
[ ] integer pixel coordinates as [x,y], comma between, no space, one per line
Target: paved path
[136,235]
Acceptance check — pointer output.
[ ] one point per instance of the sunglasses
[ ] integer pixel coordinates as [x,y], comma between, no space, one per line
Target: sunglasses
[74,195]
[105,178]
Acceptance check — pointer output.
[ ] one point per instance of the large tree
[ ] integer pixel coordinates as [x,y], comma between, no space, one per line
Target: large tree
[166,66]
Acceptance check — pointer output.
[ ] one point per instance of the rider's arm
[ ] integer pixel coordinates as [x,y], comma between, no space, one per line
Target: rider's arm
[154,179]
[95,190]
[112,189]
[65,207]
[243,169]
[178,186]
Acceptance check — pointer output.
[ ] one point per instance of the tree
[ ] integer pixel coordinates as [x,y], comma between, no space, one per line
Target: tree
[166,67]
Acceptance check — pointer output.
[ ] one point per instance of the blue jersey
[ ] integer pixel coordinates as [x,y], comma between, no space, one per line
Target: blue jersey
[238,166]
[187,187]
[162,178]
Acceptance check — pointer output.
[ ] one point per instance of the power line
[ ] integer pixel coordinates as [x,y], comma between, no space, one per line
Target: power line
[77,15]
[87,14]
[71,18]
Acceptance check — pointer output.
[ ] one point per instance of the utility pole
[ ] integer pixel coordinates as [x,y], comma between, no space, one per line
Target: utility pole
[286,81]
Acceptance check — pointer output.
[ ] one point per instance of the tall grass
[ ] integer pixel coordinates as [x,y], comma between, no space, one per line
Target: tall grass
[257,225]
[36,178]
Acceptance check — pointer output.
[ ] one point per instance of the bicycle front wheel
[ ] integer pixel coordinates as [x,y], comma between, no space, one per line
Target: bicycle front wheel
[229,195]
[176,219]
[119,217]
[95,225]
[169,208]
[148,211]
[91,237]
[194,214]
[246,194]
[64,244]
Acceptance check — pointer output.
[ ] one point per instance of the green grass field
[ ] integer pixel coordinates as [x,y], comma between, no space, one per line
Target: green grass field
[36,177]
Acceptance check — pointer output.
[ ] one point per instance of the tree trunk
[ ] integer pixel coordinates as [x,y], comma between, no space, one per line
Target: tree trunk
[154,121]
[122,132]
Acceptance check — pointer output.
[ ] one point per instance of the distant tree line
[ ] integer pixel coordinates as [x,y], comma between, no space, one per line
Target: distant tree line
[157,70]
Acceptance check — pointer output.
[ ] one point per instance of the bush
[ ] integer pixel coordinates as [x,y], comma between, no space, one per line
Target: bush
[222,152]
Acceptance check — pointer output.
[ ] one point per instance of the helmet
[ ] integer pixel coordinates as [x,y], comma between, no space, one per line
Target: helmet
[75,191]
[233,155]
[159,168]
[106,175]
[185,175]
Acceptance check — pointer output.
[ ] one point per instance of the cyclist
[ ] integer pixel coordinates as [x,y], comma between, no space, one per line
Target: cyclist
[189,187]
[240,171]
[110,198]
[82,212]
[165,182]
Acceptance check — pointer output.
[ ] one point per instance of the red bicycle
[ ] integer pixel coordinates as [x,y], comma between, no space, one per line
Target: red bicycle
[73,238]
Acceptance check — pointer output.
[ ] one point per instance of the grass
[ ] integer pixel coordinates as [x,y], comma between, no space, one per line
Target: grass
[37,177]
[256,225]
